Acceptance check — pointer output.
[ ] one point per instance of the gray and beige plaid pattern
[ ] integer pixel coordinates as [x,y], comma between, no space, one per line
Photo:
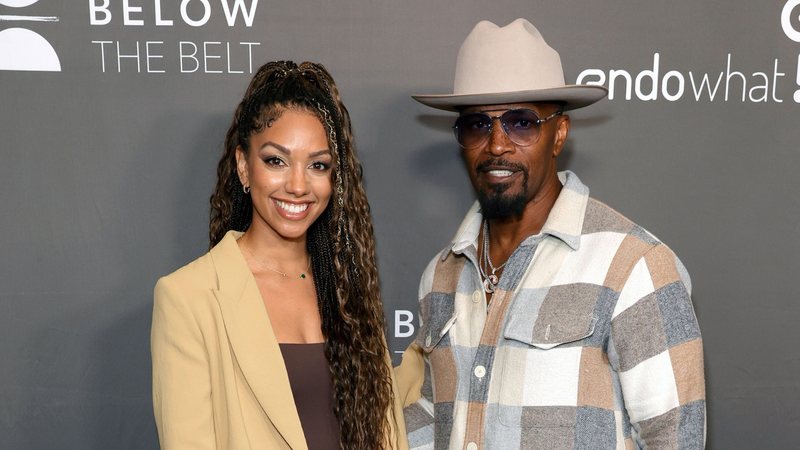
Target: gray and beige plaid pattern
[591,340]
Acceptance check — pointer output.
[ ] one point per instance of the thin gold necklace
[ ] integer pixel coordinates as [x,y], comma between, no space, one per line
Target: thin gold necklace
[268,267]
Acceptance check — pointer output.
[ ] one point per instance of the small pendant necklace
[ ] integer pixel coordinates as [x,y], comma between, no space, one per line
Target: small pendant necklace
[283,274]
[491,280]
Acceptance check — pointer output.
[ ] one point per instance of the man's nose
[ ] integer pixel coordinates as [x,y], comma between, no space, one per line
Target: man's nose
[499,143]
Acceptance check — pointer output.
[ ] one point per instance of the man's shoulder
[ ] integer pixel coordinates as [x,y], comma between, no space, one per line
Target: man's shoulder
[607,229]
[601,218]
[439,256]
[440,263]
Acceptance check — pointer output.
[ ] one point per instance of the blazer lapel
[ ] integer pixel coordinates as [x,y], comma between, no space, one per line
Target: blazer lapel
[253,341]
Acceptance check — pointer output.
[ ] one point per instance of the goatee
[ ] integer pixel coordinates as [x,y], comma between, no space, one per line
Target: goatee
[496,203]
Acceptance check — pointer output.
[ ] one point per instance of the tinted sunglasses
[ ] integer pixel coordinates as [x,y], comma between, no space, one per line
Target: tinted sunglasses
[522,127]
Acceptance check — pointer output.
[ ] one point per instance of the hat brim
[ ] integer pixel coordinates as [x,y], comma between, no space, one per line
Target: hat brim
[573,97]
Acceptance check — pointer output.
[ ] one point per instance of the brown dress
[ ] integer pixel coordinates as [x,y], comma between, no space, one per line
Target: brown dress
[312,389]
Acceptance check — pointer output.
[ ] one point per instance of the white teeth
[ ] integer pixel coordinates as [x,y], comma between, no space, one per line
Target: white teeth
[291,207]
[500,173]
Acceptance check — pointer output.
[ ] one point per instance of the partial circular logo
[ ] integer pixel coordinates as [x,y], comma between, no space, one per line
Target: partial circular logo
[24,49]
[790,20]
[17,3]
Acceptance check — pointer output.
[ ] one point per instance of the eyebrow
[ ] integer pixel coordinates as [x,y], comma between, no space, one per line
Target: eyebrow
[287,151]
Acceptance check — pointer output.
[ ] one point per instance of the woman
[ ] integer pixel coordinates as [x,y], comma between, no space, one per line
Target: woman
[274,339]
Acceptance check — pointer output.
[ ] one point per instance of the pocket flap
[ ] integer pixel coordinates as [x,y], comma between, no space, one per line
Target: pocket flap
[549,335]
[432,333]
[437,316]
[554,334]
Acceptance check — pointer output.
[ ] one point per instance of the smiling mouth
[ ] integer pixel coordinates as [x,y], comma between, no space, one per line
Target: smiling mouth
[499,170]
[499,173]
[292,208]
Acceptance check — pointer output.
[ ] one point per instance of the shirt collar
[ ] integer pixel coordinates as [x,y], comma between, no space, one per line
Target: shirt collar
[564,222]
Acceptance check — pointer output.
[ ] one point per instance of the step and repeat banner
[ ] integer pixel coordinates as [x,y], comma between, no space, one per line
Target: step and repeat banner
[112,119]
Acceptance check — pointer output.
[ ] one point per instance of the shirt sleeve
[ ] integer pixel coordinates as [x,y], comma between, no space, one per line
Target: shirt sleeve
[181,381]
[656,348]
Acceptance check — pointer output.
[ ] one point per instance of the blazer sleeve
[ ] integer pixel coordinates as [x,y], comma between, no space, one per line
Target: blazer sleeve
[181,381]
[397,439]
[414,383]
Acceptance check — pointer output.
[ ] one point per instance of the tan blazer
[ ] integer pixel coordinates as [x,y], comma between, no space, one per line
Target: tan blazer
[219,381]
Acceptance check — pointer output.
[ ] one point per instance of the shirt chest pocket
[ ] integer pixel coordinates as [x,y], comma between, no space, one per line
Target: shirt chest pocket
[541,353]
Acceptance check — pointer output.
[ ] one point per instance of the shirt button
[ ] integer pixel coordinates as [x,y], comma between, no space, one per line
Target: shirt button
[472,446]
[477,296]
[479,372]
[428,341]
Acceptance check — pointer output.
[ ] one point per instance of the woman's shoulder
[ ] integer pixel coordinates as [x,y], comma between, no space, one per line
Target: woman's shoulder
[197,274]
[183,301]
[202,273]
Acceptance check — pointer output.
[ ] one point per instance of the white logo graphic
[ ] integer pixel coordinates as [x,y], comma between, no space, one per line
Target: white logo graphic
[786,20]
[23,49]
[17,3]
[792,33]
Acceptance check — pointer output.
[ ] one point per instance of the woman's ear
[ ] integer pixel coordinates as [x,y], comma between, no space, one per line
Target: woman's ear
[241,166]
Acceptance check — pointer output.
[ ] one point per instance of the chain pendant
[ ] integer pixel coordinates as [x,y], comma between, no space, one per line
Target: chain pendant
[490,283]
[489,280]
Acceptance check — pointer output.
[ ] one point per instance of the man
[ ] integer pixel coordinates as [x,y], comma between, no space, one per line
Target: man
[551,321]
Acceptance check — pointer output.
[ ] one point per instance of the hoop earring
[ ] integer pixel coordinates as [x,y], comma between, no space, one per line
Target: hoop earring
[246,189]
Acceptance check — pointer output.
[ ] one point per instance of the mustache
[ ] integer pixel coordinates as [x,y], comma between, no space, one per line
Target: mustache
[499,162]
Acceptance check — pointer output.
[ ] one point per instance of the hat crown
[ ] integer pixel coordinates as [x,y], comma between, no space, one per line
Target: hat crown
[496,59]
[511,64]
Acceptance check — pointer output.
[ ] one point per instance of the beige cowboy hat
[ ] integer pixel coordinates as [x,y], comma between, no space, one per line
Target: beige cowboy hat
[510,64]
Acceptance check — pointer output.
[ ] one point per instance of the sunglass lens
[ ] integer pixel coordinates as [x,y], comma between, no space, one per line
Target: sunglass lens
[472,129]
[522,125]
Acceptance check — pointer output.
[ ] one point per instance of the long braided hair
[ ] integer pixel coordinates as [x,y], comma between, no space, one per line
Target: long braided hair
[340,243]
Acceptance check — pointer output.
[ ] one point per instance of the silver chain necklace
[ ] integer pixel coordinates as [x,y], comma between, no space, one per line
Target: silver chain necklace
[489,280]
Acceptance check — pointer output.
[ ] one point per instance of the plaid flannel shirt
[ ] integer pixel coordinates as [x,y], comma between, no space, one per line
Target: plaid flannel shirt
[590,341]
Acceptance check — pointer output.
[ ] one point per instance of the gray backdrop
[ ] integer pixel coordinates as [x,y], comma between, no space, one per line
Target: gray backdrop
[107,166]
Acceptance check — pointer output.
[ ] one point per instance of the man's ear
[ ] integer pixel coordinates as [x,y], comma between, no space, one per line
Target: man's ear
[562,131]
